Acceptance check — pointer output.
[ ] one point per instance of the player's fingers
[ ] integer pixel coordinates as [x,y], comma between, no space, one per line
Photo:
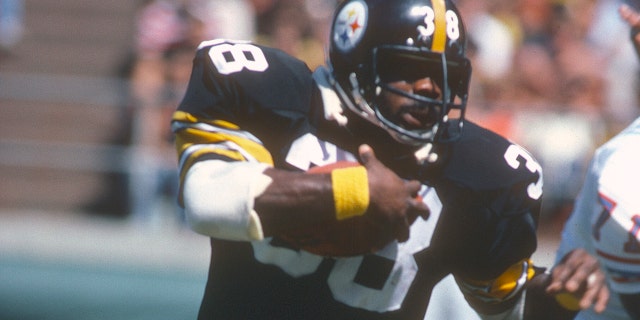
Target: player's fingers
[559,275]
[596,292]
[402,229]
[578,279]
[602,299]
[586,273]
[416,206]
[572,271]
[631,16]
[562,279]
[413,187]
[416,209]
[366,154]
[419,209]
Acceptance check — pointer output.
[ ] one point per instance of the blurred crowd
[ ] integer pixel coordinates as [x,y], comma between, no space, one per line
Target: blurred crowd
[552,75]
[558,76]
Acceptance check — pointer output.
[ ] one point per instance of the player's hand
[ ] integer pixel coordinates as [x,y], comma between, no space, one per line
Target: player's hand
[632,17]
[394,203]
[579,274]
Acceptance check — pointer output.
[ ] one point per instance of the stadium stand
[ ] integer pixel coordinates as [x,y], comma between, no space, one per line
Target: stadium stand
[61,101]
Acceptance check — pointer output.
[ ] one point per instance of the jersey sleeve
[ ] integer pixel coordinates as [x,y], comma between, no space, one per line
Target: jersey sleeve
[244,102]
[496,193]
[495,263]
[495,197]
[576,232]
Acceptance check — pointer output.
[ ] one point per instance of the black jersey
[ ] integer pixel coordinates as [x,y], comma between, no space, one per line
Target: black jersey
[246,102]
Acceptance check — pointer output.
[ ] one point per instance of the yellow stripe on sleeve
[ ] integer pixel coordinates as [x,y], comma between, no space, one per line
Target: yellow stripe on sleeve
[196,138]
[191,135]
[505,286]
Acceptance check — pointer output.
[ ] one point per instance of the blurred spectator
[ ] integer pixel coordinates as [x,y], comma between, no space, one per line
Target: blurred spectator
[610,34]
[227,19]
[11,24]
[493,38]
[264,11]
[154,177]
[564,130]
[321,12]
[537,19]
[550,93]
[157,25]
[169,33]
[298,27]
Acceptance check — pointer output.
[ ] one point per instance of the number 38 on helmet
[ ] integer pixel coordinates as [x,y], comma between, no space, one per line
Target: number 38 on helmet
[375,42]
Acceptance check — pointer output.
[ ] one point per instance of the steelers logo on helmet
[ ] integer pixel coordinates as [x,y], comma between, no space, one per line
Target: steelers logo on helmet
[350,25]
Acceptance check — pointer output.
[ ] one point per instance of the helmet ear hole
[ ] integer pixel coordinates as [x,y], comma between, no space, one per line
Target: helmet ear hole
[366,82]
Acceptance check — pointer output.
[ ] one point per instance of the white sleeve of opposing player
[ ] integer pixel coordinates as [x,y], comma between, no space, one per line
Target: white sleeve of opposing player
[219,199]
[577,229]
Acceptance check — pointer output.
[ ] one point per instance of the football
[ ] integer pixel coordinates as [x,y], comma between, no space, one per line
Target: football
[349,237]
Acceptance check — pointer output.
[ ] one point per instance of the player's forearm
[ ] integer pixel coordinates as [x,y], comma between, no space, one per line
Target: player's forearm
[293,200]
[248,201]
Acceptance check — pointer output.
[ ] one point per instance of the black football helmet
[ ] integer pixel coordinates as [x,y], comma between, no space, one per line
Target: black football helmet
[374,42]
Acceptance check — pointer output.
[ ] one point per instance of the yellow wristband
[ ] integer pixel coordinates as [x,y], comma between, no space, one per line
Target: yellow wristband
[350,191]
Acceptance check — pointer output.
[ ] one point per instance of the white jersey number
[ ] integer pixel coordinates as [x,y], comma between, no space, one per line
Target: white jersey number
[378,282]
[512,156]
[234,57]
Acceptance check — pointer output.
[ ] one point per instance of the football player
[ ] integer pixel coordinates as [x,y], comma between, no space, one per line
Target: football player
[350,192]
[605,220]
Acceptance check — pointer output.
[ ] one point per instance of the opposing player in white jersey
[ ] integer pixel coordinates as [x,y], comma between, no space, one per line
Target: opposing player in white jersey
[606,221]
[606,216]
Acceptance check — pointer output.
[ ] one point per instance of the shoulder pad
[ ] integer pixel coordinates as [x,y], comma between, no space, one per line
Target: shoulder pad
[484,160]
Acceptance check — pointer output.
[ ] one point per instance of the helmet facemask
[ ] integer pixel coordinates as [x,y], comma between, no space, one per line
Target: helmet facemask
[375,42]
[370,86]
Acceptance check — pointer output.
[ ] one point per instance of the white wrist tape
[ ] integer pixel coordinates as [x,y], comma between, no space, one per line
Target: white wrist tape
[219,198]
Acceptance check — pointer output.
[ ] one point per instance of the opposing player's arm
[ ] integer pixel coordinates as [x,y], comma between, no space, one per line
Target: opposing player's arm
[575,283]
[527,292]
